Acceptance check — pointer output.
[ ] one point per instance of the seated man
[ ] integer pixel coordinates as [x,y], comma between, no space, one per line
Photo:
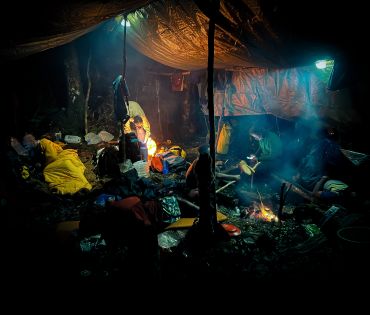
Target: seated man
[192,177]
[332,191]
[324,159]
[135,110]
[139,124]
[269,151]
[142,132]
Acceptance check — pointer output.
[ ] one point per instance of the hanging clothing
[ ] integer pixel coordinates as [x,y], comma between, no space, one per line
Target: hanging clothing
[177,82]
[120,109]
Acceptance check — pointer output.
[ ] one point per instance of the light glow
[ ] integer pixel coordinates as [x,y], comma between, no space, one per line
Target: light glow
[127,23]
[152,147]
[320,64]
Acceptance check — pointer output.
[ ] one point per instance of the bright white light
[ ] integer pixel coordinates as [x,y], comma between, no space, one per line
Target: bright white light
[320,64]
[127,23]
[152,147]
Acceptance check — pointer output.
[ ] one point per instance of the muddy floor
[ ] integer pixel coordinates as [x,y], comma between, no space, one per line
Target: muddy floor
[44,241]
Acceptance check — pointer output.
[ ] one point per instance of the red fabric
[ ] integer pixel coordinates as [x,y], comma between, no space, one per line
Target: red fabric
[127,203]
[146,213]
[177,81]
[156,163]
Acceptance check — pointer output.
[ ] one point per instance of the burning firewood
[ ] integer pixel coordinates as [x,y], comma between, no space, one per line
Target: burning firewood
[266,212]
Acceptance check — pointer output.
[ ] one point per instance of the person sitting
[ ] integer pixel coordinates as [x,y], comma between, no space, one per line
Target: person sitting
[136,113]
[142,131]
[191,176]
[332,191]
[325,158]
[268,153]
[297,142]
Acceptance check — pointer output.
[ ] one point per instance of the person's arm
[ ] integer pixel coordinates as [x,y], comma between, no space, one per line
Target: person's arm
[127,126]
[146,127]
[317,188]
[191,189]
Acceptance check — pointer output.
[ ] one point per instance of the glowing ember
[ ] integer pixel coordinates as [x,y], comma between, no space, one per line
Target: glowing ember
[260,211]
[267,214]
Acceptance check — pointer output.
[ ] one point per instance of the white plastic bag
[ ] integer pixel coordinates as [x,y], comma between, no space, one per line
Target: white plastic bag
[72,139]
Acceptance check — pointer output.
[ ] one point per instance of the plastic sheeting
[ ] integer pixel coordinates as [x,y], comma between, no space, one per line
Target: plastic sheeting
[36,26]
[248,32]
[285,93]
[175,33]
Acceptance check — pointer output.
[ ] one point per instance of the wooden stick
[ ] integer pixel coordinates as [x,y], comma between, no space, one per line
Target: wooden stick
[299,190]
[187,202]
[223,187]
[227,176]
[281,204]
[230,169]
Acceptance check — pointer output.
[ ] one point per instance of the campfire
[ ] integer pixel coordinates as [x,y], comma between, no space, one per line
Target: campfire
[261,212]
[258,210]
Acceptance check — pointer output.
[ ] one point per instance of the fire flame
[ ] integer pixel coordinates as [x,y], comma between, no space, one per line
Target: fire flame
[267,214]
[260,211]
[152,147]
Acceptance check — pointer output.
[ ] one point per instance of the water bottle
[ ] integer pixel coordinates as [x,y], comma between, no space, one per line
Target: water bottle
[165,167]
[58,136]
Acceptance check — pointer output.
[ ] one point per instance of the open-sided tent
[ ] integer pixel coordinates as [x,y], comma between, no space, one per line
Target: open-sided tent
[262,43]
[248,32]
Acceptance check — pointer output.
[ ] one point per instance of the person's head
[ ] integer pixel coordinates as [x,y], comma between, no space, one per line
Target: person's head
[29,141]
[138,121]
[203,149]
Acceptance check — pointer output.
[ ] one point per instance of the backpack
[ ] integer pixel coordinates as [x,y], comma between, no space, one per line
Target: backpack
[156,163]
[171,210]
[108,162]
[177,150]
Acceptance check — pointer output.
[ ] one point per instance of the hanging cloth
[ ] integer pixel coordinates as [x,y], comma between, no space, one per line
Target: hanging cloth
[177,82]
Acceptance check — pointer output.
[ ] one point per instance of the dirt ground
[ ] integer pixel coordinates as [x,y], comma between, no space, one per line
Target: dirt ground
[301,245]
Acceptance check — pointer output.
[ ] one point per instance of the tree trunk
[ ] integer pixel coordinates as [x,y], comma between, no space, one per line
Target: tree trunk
[86,107]
[73,120]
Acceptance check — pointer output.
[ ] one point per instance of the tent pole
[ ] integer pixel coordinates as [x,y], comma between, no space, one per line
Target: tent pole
[208,229]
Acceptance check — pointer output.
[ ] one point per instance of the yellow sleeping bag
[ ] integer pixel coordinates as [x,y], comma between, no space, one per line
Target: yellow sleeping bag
[64,171]
[50,150]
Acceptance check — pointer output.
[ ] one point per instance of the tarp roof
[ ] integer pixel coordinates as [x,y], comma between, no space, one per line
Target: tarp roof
[35,26]
[248,32]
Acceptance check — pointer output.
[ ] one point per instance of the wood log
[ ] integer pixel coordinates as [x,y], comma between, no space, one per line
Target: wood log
[193,205]
[295,188]
[227,185]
